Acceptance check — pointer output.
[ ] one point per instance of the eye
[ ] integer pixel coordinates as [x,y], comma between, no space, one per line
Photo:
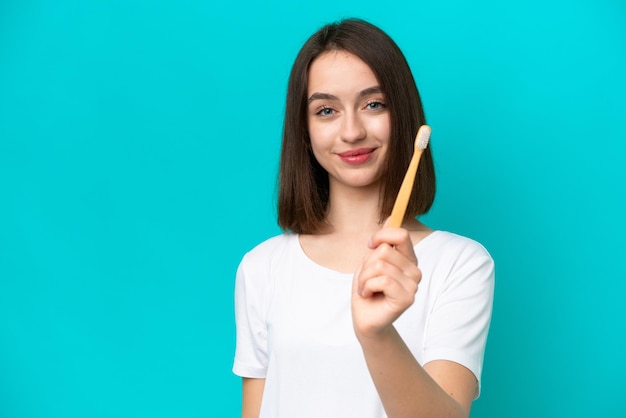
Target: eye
[325,111]
[375,105]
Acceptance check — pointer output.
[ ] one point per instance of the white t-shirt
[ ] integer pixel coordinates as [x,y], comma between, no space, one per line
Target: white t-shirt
[294,325]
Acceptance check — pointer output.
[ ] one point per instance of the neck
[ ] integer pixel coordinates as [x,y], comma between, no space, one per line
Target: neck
[354,210]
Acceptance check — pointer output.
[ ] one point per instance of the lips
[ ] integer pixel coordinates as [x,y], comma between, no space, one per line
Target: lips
[356,152]
[357,156]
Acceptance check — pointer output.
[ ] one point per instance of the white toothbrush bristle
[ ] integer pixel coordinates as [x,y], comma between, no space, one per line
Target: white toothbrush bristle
[423,136]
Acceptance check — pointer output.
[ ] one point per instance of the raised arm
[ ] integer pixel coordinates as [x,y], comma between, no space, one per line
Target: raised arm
[384,287]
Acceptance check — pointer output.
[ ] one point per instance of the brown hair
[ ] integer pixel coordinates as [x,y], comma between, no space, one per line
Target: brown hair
[303,183]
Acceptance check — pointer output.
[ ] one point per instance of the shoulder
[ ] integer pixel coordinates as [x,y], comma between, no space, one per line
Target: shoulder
[269,254]
[270,249]
[449,244]
[256,270]
[451,258]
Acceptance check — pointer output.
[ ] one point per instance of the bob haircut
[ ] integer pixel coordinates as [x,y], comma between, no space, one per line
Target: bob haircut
[303,188]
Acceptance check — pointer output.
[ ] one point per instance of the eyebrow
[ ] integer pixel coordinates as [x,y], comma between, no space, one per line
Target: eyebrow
[325,96]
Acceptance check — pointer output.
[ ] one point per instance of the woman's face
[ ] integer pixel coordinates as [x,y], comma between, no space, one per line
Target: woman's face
[348,120]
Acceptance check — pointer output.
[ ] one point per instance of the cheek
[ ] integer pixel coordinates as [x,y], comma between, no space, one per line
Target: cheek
[383,128]
[321,134]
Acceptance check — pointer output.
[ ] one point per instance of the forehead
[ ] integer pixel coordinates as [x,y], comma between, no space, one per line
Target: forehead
[339,70]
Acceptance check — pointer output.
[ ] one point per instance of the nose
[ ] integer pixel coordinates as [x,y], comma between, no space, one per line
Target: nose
[352,128]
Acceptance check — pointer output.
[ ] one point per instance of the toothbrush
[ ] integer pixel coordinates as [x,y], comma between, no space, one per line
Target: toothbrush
[402,200]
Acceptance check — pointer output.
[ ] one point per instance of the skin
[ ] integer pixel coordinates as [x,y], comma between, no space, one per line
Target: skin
[347,112]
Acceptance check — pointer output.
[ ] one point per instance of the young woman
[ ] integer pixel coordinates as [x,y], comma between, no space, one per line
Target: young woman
[341,316]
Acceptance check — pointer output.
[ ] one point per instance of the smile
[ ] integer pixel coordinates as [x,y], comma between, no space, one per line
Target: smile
[357,156]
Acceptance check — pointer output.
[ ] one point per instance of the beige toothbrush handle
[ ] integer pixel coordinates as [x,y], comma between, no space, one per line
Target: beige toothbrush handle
[404,194]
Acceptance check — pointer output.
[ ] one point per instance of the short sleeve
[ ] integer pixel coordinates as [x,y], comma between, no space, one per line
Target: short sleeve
[459,322]
[251,344]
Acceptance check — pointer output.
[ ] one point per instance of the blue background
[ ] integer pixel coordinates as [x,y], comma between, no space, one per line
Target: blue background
[138,155]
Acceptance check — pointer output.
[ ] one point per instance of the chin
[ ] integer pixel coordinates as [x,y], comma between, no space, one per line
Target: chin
[364,183]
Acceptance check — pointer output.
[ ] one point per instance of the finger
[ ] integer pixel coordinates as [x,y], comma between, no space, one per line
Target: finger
[395,294]
[390,254]
[395,237]
[374,268]
[380,284]
[405,273]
